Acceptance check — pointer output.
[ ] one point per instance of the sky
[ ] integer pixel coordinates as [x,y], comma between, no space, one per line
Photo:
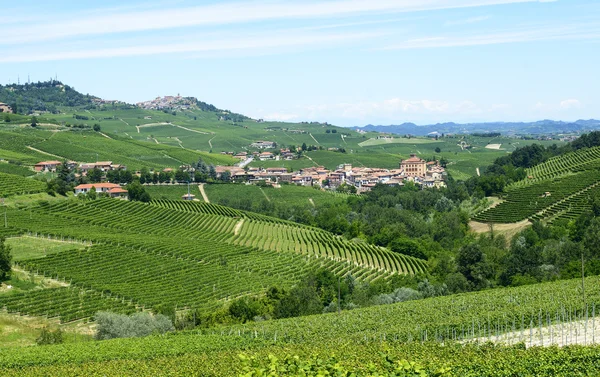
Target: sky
[346,62]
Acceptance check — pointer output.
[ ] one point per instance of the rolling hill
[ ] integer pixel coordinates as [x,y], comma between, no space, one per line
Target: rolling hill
[559,188]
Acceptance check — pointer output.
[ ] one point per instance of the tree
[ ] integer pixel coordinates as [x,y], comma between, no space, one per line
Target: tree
[437,150]
[92,194]
[6,118]
[34,122]
[137,192]
[95,175]
[5,260]
[304,147]
[97,127]
[473,265]
[226,176]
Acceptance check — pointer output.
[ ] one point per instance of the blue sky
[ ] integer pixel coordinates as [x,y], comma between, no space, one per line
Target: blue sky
[345,62]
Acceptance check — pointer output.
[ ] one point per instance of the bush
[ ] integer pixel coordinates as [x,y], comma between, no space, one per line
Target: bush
[111,325]
[49,337]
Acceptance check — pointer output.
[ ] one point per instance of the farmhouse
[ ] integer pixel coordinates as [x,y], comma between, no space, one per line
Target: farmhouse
[264,156]
[46,166]
[4,108]
[263,144]
[100,187]
[414,166]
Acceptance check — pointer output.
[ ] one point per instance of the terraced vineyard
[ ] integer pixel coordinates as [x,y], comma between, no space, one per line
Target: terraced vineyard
[13,184]
[68,304]
[195,257]
[580,160]
[564,197]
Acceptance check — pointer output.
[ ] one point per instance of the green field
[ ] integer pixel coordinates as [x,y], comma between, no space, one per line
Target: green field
[32,247]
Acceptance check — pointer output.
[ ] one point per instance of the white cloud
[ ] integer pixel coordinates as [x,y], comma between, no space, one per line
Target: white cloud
[570,104]
[467,21]
[224,13]
[271,42]
[570,32]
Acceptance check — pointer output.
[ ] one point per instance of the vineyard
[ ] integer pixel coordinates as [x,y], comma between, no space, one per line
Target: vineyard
[186,254]
[564,197]
[434,332]
[17,185]
[580,160]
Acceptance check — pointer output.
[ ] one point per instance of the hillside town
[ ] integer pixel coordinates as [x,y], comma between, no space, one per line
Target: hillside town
[414,169]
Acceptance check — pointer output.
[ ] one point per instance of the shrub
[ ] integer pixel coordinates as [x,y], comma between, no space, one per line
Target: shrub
[111,325]
[49,337]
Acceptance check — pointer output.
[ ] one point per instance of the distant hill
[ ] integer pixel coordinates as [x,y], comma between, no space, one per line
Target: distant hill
[534,128]
[43,96]
[167,103]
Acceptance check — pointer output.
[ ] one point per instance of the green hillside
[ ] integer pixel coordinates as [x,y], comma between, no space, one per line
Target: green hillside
[204,127]
[186,255]
[559,188]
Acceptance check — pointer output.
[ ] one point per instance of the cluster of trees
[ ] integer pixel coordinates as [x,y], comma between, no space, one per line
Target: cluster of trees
[42,96]
[319,292]
[5,260]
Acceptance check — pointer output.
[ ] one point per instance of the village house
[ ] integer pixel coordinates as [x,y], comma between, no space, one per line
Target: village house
[263,144]
[112,189]
[101,165]
[4,108]
[264,156]
[50,166]
[414,166]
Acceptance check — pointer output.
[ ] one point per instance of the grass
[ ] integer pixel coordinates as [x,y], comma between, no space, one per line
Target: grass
[172,192]
[22,331]
[397,140]
[26,247]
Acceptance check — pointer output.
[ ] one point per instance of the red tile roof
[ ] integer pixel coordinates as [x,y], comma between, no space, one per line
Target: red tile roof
[97,185]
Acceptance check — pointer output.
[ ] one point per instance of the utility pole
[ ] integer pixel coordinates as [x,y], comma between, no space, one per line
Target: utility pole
[339,296]
[583,279]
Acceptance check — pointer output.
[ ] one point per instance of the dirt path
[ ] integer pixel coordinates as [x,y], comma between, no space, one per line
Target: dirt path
[314,138]
[210,140]
[311,202]
[238,226]
[201,188]
[343,139]
[46,153]
[265,194]
[105,135]
[179,141]
[189,129]
[477,170]
[508,230]
[559,334]
[313,161]
[125,122]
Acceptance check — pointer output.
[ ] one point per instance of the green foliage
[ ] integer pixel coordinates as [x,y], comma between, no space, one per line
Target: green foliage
[5,260]
[11,184]
[137,192]
[48,336]
[112,325]
[315,366]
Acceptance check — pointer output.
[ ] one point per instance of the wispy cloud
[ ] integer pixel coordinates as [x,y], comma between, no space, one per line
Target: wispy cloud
[573,32]
[466,21]
[250,43]
[570,104]
[223,13]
